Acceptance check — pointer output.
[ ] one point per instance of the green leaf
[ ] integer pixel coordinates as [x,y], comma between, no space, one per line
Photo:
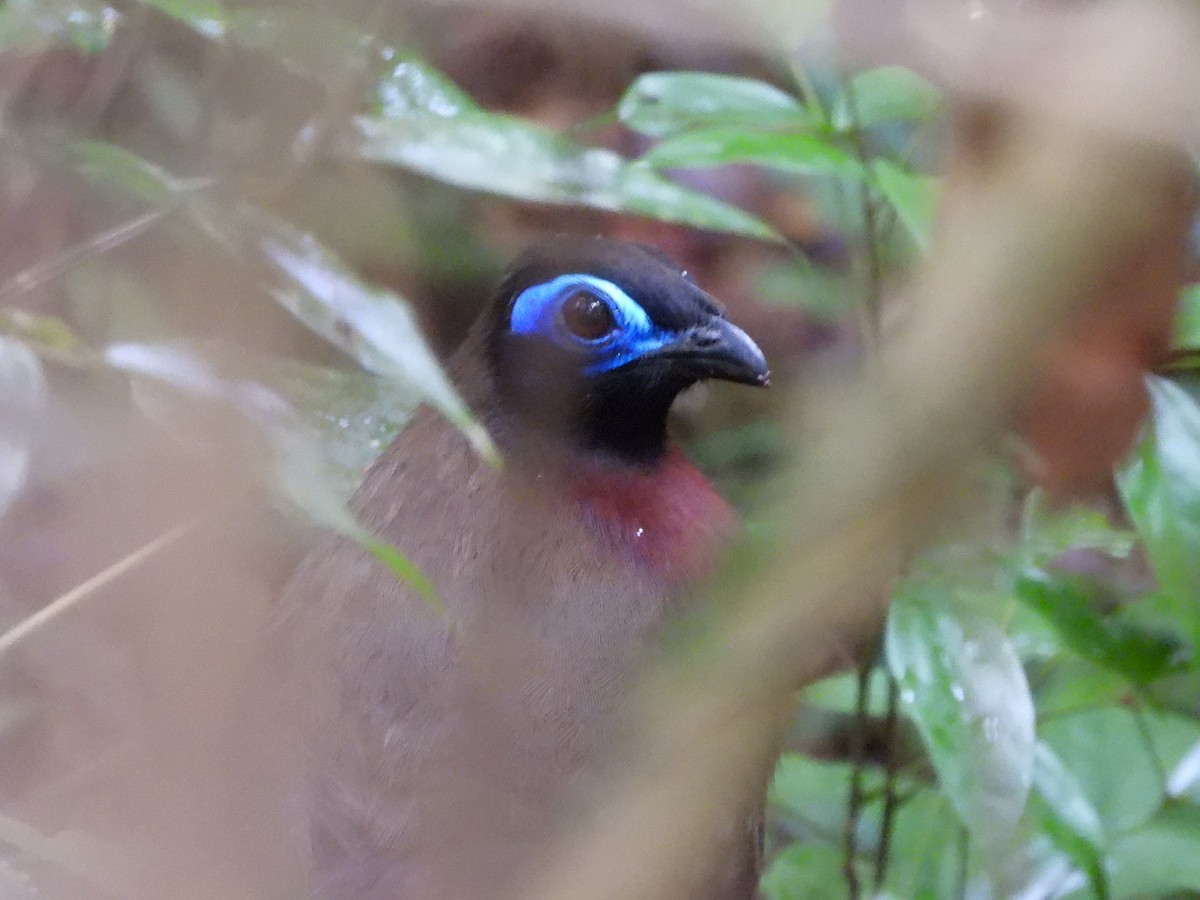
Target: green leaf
[840,692]
[113,167]
[1106,752]
[1048,532]
[800,154]
[374,326]
[887,94]
[1187,321]
[1066,603]
[665,103]
[1069,818]
[87,25]
[354,413]
[412,88]
[426,124]
[1161,489]
[207,17]
[309,41]
[18,31]
[1067,684]
[508,156]
[23,397]
[638,190]
[926,849]
[108,302]
[826,295]
[403,568]
[1184,780]
[812,796]
[49,337]
[912,196]
[1159,859]
[962,684]
[804,872]
[1172,734]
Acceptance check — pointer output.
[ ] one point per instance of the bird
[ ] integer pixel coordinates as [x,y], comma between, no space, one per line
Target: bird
[440,749]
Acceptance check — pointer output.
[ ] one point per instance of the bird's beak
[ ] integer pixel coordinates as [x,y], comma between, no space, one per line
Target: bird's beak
[719,349]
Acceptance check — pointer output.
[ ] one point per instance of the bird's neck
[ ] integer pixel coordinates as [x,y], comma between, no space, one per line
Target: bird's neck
[654,506]
[667,516]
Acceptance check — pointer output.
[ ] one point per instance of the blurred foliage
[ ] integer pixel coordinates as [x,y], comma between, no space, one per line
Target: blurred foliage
[1050,674]
[1079,623]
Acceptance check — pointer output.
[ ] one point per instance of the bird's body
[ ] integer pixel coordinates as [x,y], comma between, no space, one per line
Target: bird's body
[440,752]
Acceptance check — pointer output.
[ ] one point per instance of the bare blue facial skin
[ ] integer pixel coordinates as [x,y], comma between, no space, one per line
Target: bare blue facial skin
[537,311]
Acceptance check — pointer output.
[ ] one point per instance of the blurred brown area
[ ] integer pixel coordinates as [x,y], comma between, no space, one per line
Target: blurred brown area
[115,735]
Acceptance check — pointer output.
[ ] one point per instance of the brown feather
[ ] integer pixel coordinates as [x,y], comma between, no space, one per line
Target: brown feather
[433,756]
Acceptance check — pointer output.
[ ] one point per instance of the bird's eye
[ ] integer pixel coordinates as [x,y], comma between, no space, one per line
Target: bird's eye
[588,316]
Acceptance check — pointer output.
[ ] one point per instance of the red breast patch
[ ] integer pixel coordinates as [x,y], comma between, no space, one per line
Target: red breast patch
[669,518]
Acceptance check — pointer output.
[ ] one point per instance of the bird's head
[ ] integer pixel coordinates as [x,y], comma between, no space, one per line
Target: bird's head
[594,338]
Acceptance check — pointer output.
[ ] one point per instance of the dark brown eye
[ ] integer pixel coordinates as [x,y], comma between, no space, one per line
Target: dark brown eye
[587,316]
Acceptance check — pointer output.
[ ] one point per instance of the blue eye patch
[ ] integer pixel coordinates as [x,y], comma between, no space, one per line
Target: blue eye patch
[538,311]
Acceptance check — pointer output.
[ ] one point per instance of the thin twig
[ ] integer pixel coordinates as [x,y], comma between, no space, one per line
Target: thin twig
[873,298]
[858,753]
[890,798]
[67,259]
[71,598]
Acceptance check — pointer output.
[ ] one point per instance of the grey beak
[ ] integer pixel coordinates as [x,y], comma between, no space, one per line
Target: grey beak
[719,349]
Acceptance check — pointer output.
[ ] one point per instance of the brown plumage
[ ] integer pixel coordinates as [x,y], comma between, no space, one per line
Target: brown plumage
[436,756]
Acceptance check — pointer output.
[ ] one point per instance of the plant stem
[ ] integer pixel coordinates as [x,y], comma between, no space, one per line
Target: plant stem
[889,784]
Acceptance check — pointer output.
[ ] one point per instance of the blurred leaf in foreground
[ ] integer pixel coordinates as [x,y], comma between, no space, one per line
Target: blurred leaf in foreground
[205,16]
[47,336]
[23,396]
[311,41]
[356,414]
[1187,323]
[300,470]
[321,427]
[114,168]
[28,25]
[372,325]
